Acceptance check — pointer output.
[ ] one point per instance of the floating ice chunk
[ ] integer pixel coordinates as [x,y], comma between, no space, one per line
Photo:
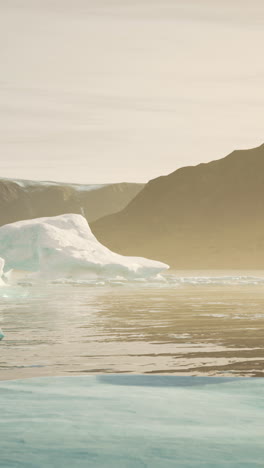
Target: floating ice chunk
[2,263]
[64,246]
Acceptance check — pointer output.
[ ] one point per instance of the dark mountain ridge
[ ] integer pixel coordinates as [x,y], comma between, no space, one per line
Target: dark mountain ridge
[29,199]
[205,216]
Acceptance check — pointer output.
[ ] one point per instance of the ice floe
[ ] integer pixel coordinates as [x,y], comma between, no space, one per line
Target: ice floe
[132,421]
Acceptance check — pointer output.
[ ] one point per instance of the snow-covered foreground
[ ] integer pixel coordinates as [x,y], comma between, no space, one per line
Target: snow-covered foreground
[64,246]
[132,421]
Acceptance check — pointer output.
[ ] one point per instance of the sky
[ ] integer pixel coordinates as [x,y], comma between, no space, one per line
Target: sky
[101,91]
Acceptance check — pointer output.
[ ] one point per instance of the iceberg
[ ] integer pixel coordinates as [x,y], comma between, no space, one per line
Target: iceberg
[64,246]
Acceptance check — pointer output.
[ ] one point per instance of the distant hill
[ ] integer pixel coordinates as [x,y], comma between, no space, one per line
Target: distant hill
[22,199]
[206,216]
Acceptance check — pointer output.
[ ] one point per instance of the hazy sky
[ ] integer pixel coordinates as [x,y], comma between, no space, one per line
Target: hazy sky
[126,90]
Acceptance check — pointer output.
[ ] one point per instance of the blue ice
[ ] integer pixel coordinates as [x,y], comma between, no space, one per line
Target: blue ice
[132,421]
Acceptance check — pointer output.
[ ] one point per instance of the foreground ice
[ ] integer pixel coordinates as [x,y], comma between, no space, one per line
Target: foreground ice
[132,421]
[64,246]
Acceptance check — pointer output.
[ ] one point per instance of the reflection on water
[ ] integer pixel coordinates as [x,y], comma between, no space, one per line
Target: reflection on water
[184,325]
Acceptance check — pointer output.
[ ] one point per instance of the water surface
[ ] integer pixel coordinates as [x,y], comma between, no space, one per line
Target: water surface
[209,324]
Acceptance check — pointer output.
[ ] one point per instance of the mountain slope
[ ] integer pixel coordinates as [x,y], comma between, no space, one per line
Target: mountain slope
[206,216]
[27,199]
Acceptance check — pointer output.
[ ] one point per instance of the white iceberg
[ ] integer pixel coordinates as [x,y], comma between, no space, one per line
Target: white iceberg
[64,246]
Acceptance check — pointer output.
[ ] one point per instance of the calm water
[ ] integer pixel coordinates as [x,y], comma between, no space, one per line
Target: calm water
[182,325]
